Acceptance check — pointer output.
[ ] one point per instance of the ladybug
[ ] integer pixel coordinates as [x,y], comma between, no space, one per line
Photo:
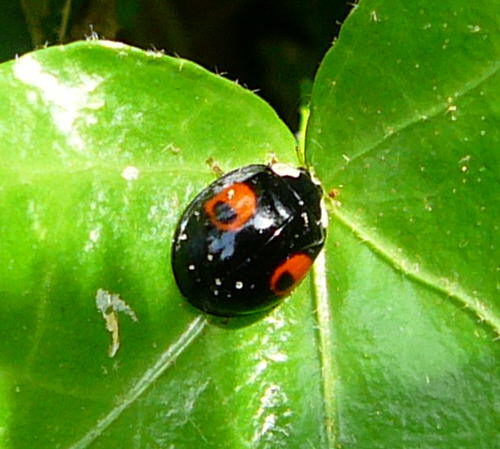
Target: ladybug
[248,239]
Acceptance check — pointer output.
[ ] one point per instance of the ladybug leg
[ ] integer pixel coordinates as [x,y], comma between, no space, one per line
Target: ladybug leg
[273,159]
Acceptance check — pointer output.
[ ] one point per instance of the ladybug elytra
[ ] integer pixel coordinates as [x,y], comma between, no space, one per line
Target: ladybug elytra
[248,239]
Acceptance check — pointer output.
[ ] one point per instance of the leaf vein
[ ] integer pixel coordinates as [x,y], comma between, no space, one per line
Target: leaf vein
[475,305]
[325,340]
[421,117]
[166,359]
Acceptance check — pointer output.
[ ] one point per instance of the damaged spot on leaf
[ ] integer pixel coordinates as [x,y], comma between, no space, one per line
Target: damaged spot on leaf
[110,304]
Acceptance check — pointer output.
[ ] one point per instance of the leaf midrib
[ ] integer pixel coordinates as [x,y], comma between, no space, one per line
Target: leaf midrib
[325,335]
[428,280]
[165,360]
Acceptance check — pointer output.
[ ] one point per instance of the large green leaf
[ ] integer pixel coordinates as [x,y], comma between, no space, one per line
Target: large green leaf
[102,146]
[404,130]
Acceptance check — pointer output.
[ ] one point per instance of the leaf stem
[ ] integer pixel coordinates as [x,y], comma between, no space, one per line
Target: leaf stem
[64,22]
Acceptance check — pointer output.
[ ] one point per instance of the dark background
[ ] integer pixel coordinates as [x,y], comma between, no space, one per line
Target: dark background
[272,46]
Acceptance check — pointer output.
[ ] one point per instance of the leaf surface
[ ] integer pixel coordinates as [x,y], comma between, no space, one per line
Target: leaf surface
[404,134]
[104,147]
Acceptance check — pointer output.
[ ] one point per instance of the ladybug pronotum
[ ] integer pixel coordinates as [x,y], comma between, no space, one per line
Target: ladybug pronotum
[248,239]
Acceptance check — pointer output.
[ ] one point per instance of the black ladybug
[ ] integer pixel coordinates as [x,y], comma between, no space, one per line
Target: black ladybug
[248,239]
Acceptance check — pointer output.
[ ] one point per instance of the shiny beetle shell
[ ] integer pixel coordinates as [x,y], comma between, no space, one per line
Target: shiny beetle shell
[248,239]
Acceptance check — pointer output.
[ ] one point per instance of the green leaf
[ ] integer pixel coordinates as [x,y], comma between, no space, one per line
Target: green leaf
[103,147]
[404,132]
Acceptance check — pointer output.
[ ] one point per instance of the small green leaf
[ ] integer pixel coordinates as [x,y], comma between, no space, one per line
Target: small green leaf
[404,132]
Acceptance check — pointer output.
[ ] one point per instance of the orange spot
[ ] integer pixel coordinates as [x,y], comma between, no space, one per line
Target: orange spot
[238,203]
[290,273]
